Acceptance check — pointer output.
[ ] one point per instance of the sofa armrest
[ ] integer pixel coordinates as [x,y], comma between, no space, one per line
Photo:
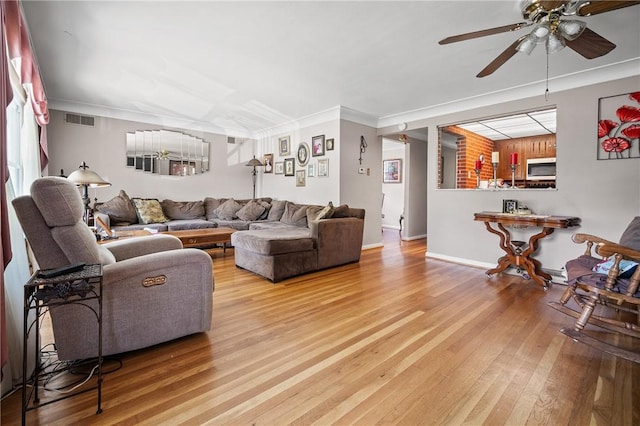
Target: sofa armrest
[338,240]
[139,246]
[146,300]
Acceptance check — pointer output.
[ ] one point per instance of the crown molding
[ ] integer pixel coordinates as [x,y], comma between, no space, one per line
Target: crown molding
[588,77]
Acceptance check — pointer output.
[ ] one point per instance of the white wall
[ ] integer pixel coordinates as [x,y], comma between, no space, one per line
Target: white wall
[318,190]
[393,205]
[416,196]
[103,148]
[604,194]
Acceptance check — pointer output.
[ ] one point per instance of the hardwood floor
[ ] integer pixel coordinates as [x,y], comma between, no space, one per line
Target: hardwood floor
[394,339]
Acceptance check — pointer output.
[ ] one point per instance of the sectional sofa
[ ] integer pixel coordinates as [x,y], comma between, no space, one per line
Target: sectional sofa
[276,239]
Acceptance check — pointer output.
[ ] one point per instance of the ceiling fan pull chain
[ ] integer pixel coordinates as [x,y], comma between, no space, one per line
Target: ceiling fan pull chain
[546,92]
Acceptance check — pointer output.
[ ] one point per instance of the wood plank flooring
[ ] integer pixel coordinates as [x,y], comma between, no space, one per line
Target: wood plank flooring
[394,339]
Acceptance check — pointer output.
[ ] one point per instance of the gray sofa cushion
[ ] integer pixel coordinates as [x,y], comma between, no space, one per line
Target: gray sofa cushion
[183,210]
[228,209]
[273,241]
[294,214]
[254,226]
[250,211]
[277,209]
[210,206]
[240,225]
[180,225]
[119,209]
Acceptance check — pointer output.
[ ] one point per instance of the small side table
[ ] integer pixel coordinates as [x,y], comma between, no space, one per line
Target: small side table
[39,295]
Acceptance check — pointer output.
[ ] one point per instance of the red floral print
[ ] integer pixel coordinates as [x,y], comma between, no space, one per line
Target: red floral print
[628,114]
[632,132]
[615,145]
[635,96]
[605,126]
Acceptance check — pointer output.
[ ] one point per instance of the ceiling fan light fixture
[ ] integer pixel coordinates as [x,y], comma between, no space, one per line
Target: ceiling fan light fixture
[555,43]
[541,32]
[527,45]
[571,28]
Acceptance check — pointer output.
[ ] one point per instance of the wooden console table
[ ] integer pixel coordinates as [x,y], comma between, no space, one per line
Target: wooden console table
[519,253]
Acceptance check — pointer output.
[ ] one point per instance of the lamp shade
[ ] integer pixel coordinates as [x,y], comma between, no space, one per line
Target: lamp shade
[254,162]
[84,176]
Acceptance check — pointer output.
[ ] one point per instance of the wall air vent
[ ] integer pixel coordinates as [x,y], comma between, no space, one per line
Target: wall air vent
[238,141]
[83,120]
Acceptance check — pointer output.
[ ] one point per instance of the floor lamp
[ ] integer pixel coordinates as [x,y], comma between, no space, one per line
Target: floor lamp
[254,162]
[86,178]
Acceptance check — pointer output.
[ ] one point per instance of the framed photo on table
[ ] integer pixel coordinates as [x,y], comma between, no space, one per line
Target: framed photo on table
[317,146]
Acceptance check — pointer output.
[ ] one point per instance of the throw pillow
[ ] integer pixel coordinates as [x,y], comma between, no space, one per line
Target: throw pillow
[267,208]
[276,211]
[294,214]
[149,210]
[250,211]
[185,210]
[631,236]
[315,213]
[341,211]
[210,205]
[227,210]
[627,267]
[119,209]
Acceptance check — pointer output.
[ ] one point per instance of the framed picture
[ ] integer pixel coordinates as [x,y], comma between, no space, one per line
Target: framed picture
[311,170]
[300,178]
[279,168]
[317,146]
[283,144]
[289,166]
[323,167]
[509,206]
[268,163]
[392,170]
[618,130]
[302,154]
[329,144]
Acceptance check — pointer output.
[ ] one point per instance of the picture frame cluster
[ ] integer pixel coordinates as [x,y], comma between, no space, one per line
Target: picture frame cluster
[301,164]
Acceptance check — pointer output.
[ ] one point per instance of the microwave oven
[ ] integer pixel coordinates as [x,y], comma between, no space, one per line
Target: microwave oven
[541,168]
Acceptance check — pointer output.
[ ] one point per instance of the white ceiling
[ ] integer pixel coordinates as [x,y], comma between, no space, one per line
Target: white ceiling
[240,67]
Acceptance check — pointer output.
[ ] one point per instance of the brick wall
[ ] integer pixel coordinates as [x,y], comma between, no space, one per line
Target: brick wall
[470,146]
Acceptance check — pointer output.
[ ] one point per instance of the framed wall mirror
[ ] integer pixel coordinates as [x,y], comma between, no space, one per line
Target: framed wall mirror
[522,146]
[167,152]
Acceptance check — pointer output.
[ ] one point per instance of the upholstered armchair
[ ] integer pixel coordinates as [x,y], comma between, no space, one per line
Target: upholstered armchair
[134,316]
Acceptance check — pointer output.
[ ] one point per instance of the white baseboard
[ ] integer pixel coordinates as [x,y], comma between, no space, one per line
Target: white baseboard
[372,246]
[415,237]
[557,276]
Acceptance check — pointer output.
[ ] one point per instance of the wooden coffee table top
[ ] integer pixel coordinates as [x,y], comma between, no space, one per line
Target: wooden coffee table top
[202,237]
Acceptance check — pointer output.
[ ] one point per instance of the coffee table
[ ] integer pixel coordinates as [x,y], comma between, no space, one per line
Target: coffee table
[203,238]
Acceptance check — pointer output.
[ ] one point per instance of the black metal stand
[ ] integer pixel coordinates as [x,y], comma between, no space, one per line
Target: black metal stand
[39,295]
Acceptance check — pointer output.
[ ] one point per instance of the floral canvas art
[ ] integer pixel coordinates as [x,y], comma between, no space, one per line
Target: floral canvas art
[619,127]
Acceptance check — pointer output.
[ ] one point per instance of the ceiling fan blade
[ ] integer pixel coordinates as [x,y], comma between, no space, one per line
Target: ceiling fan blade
[501,59]
[591,45]
[596,7]
[490,31]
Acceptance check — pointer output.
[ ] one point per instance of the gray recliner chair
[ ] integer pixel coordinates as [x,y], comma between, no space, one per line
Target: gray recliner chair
[134,316]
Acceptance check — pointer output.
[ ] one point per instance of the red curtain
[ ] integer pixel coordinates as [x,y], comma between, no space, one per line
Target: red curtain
[6,95]
[19,46]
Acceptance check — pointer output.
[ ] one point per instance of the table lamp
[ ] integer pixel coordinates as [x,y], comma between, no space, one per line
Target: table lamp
[87,178]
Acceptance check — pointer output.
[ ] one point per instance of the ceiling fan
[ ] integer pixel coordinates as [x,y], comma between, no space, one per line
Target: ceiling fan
[551,28]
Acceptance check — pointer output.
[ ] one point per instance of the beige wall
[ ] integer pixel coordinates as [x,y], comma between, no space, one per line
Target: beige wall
[605,194]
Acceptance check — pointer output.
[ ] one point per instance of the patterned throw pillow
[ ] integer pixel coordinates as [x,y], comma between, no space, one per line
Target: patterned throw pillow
[315,213]
[149,210]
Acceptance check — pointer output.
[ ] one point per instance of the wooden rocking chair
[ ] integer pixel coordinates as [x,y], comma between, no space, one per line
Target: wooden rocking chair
[610,300]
